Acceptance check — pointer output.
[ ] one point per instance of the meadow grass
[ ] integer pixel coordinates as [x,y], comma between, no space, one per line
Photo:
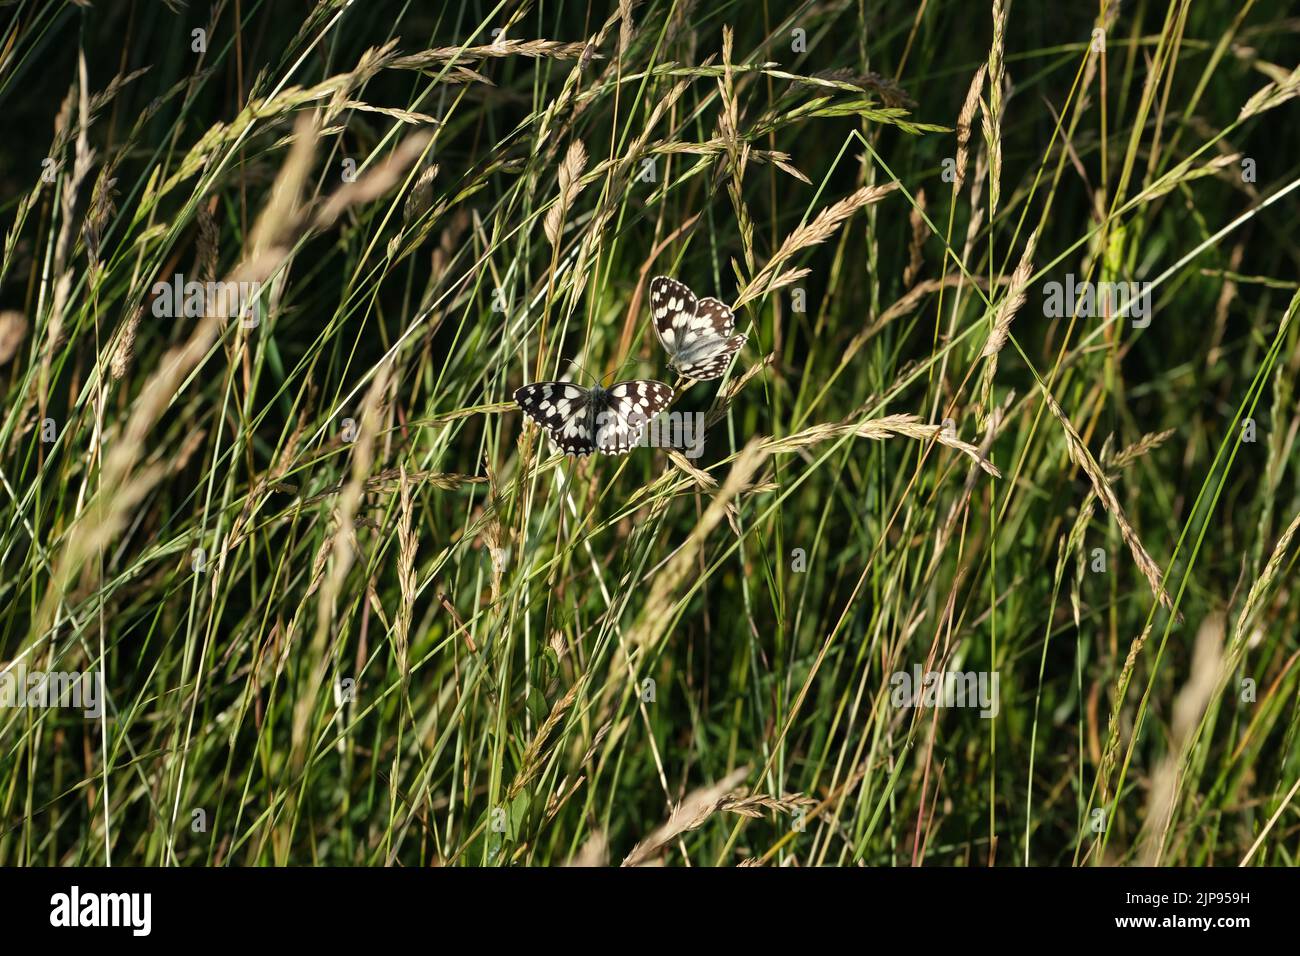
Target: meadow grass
[350,608]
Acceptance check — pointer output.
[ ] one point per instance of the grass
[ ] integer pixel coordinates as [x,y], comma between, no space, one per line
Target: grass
[349,608]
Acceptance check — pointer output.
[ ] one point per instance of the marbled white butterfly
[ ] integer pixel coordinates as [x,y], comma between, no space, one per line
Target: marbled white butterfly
[580,421]
[695,333]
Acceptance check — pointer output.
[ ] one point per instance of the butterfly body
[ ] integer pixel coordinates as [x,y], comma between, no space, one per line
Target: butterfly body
[696,333]
[580,420]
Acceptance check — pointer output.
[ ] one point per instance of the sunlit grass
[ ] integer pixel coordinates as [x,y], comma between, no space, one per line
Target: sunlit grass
[350,609]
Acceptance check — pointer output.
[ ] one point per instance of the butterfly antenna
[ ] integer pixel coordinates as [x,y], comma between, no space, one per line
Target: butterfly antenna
[582,370]
[619,369]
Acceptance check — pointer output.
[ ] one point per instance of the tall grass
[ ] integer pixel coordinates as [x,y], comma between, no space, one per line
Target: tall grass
[349,608]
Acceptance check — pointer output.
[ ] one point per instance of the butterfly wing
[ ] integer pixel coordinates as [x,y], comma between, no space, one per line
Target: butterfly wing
[701,343]
[672,308]
[708,345]
[713,364]
[625,411]
[712,315]
[562,410]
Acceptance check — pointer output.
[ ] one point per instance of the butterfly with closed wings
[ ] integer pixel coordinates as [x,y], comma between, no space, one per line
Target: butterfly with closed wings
[581,421]
[696,333]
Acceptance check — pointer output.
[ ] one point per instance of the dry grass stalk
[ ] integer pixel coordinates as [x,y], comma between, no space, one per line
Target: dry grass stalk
[595,852]
[993,139]
[100,520]
[1006,311]
[1272,95]
[535,49]
[1117,704]
[408,543]
[754,806]
[920,231]
[1138,449]
[443,481]
[83,159]
[992,427]
[420,196]
[1113,466]
[375,183]
[908,426]
[703,479]
[1080,455]
[727,395]
[531,762]
[1185,173]
[1012,301]
[891,93]
[991,122]
[976,193]
[363,456]
[657,612]
[737,150]
[821,228]
[209,243]
[964,119]
[1261,585]
[122,486]
[908,303]
[626,28]
[618,170]
[124,350]
[410,117]
[101,210]
[1189,708]
[13,329]
[570,184]
[690,814]
[496,536]
[341,556]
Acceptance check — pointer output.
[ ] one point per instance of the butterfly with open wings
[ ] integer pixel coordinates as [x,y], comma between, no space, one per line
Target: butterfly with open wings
[696,333]
[580,420]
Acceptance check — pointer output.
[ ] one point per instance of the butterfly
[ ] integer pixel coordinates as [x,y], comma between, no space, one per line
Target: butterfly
[696,333]
[581,421]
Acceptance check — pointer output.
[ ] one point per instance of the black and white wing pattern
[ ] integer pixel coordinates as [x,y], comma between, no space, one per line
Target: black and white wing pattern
[696,333]
[672,306]
[624,412]
[580,421]
[562,410]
